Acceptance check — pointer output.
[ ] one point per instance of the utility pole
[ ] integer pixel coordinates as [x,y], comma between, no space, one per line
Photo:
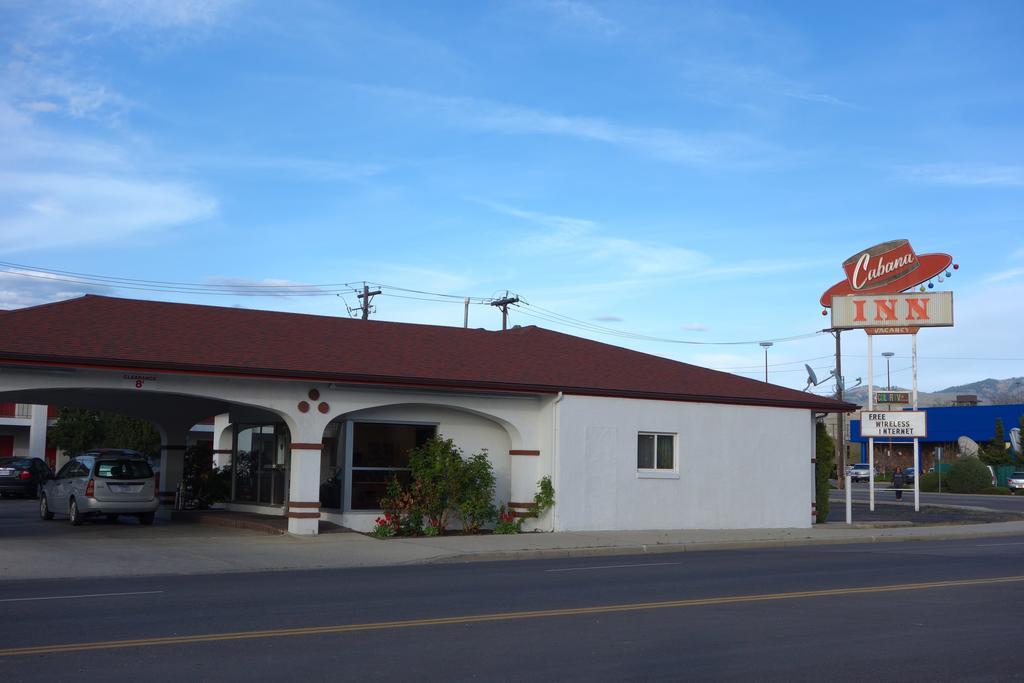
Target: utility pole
[841,417]
[765,346]
[503,304]
[366,296]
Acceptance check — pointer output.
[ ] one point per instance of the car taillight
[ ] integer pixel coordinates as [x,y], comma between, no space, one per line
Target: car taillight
[25,474]
[90,488]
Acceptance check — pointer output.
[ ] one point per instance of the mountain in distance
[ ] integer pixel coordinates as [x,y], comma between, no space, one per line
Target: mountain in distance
[988,391]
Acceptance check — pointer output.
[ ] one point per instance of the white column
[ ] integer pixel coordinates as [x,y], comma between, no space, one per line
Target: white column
[172,463]
[223,440]
[37,432]
[307,433]
[304,488]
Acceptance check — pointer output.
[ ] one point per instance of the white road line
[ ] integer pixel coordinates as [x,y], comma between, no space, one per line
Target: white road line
[613,566]
[74,597]
[992,545]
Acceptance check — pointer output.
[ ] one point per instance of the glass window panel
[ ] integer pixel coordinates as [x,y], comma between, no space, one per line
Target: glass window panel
[369,485]
[645,452]
[665,451]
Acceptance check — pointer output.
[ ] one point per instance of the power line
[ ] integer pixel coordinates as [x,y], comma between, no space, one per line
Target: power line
[342,288]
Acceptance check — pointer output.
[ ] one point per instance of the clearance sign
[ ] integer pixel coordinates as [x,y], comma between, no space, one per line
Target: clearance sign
[893,313]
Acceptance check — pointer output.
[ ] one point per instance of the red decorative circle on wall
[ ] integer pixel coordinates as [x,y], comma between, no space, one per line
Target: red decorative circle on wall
[313,394]
[323,407]
[303,407]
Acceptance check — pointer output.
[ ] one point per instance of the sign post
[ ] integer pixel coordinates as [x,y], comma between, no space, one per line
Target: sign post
[875,297]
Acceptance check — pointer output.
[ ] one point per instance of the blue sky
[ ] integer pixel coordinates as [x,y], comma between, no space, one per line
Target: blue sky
[689,171]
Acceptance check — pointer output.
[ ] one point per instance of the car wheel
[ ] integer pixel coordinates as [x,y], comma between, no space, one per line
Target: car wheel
[74,516]
[44,509]
[146,518]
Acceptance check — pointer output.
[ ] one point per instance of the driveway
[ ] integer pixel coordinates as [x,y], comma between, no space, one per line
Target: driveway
[19,519]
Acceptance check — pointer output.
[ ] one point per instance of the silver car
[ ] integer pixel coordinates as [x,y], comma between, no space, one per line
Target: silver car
[107,483]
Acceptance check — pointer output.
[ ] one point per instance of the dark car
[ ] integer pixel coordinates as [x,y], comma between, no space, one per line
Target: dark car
[23,476]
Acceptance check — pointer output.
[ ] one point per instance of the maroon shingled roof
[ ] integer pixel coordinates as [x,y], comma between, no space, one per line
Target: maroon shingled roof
[99,331]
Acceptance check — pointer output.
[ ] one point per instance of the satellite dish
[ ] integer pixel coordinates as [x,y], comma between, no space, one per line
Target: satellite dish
[812,379]
[967,446]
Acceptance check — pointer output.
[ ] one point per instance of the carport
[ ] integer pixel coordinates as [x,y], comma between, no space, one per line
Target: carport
[273,378]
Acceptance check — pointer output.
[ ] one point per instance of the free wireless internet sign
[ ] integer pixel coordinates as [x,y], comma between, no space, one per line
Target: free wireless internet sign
[902,424]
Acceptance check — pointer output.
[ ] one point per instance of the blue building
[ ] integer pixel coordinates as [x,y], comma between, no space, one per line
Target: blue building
[945,426]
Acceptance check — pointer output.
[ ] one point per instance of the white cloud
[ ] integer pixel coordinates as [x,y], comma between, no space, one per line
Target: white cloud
[274,287]
[722,79]
[20,287]
[295,168]
[61,189]
[42,106]
[633,259]
[663,144]
[581,15]
[163,14]
[608,319]
[1011,274]
[580,239]
[964,175]
[65,209]
[696,327]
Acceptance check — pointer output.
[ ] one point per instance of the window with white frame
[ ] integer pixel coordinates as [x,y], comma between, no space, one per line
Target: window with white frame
[655,452]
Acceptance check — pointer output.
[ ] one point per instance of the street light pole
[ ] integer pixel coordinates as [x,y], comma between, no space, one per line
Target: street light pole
[765,346]
[888,387]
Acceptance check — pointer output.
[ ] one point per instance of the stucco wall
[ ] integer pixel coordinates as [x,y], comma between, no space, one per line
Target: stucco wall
[738,467]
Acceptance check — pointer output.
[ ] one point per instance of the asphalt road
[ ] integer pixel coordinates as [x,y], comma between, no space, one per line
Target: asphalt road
[945,610]
[883,493]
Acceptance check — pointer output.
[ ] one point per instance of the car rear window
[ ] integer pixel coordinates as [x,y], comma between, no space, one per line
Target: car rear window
[1017,475]
[15,462]
[123,469]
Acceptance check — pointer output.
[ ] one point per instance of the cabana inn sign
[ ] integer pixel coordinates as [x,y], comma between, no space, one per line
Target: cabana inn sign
[885,292]
[889,268]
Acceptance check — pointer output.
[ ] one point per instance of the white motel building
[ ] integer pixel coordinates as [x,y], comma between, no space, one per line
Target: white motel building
[316,414]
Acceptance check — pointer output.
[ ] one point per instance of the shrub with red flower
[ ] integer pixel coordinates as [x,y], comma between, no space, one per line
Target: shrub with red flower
[386,526]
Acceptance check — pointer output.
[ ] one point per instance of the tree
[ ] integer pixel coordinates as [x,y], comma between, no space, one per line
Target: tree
[129,432]
[825,460]
[78,429]
[995,452]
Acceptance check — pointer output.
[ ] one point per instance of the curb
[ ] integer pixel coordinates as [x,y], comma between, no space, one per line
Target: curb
[610,551]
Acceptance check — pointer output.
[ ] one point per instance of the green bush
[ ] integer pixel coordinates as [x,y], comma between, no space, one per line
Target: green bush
[544,499]
[968,475]
[995,491]
[475,497]
[437,469]
[930,482]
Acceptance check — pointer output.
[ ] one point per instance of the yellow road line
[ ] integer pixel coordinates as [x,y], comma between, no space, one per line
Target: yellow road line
[498,616]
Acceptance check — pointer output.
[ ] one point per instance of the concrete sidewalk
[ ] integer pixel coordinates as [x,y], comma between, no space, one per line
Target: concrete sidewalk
[204,550]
